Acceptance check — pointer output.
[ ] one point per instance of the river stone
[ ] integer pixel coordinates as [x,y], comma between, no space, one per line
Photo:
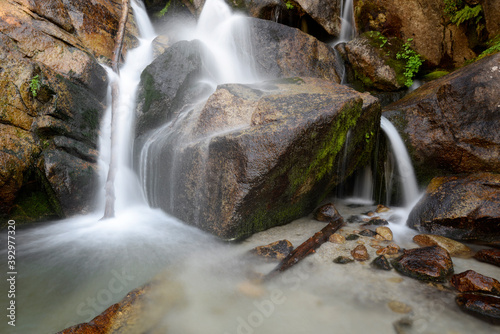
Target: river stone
[360,253]
[381,263]
[453,247]
[460,207]
[384,232]
[486,307]
[491,256]
[471,281]
[449,125]
[326,213]
[277,250]
[257,156]
[428,263]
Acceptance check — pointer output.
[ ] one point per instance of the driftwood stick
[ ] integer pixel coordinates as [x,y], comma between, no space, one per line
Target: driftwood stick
[109,209]
[308,247]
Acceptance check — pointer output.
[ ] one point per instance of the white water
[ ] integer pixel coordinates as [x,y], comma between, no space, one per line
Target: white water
[406,173]
[348,27]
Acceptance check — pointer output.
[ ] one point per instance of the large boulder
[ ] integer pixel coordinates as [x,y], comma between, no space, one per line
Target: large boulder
[257,156]
[439,41]
[460,207]
[54,93]
[450,125]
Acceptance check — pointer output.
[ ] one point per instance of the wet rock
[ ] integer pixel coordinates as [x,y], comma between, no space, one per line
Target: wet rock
[453,247]
[449,124]
[384,232]
[337,238]
[277,250]
[485,307]
[471,281]
[360,253]
[382,208]
[460,207]
[367,233]
[326,213]
[342,260]
[399,307]
[390,249]
[376,221]
[354,219]
[352,237]
[491,256]
[254,156]
[381,262]
[429,263]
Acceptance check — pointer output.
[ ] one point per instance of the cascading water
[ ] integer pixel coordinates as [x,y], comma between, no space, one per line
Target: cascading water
[348,27]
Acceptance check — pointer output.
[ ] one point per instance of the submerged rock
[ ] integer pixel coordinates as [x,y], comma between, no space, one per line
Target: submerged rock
[453,247]
[277,250]
[491,256]
[449,125]
[429,263]
[471,281]
[460,207]
[382,263]
[486,307]
[257,156]
[342,260]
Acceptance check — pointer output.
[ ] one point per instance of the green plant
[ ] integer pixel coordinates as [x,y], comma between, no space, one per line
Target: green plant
[493,47]
[35,85]
[460,13]
[164,11]
[289,5]
[412,59]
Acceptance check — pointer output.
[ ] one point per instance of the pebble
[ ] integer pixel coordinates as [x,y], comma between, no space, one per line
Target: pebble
[360,253]
[351,237]
[326,213]
[384,232]
[381,262]
[277,250]
[381,208]
[337,238]
[343,260]
[453,247]
[367,233]
[399,307]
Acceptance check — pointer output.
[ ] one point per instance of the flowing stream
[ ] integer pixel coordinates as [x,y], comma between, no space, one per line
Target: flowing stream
[70,271]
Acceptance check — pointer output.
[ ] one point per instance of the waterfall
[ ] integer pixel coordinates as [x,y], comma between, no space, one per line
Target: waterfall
[348,28]
[404,166]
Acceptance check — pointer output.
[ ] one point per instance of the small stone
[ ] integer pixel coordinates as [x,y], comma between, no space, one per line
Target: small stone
[395,279]
[351,237]
[392,249]
[250,289]
[379,237]
[491,256]
[385,232]
[453,247]
[381,208]
[343,260]
[376,221]
[337,238]
[471,281]
[381,262]
[360,253]
[354,219]
[428,263]
[277,250]
[485,307]
[367,233]
[326,213]
[399,307]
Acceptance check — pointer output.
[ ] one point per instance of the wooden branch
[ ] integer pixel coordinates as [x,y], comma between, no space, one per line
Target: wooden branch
[109,209]
[308,247]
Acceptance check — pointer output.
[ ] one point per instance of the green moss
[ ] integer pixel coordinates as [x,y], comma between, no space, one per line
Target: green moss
[435,75]
[149,92]
[91,119]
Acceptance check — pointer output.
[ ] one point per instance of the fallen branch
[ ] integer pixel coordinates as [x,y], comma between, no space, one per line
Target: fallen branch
[308,247]
[109,209]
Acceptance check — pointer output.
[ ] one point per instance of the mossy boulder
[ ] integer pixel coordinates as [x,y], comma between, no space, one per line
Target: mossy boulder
[257,156]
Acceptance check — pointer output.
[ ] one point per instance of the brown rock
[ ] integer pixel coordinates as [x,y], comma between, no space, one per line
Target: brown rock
[337,238]
[486,307]
[360,253]
[399,307]
[462,208]
[471,281]
[382,208]
[326,213]
[384,232]
[453,247]
[429,263]
[277,250]
[491,256]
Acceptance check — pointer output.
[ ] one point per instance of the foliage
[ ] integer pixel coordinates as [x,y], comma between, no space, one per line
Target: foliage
[493,47]
[381,38]
[460,13]
[435,75]
[164,11]
[35,85]
[289,5]
[412,59]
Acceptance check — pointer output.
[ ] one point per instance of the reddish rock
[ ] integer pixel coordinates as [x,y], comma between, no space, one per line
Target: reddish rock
[485,307]
[428,263]
[491,256]
[277,250]
[471,281]
[360,253]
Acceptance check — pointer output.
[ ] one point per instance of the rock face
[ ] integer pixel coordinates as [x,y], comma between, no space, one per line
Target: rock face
[423,21]
[462,208]
[449,125]
[53,97]
[428,263]
[376,66]
[255,157]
